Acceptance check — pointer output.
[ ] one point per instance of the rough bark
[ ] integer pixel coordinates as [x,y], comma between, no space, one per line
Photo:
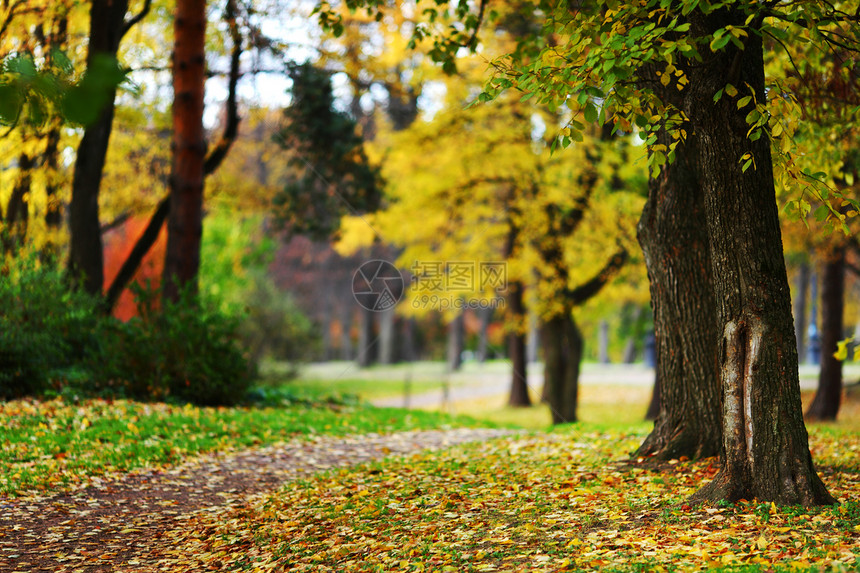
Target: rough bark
[562,345]
[676,249]
[654,405]
[86,260]
[765,452]
[519,396]
[185,220]
[825,405]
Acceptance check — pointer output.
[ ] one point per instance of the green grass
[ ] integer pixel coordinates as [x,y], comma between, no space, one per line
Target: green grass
[51,445]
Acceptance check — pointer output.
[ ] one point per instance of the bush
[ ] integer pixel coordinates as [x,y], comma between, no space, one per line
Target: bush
[54,340]
[189,352]
[275,327]
[45,328]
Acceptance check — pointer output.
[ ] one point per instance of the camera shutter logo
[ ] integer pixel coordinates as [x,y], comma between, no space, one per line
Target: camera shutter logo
[377,285]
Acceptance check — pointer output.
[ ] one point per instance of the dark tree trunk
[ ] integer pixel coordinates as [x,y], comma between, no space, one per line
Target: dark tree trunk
[677,255]
[185,220]
[800,308]
[366,340]
[519,396]
[456,342]
[825,405]
[86,259]
[765,452]
[562,353]
[18,208]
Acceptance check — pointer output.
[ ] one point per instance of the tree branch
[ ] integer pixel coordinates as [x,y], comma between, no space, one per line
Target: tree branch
[141,247]
[584,292]
[136,18]
[231,127]
[118,222]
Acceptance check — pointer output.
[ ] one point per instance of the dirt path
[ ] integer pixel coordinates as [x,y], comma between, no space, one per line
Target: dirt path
[114,525]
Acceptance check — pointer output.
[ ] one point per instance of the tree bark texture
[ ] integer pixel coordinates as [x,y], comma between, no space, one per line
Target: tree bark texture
[825,405]
[185,220]
[765,452]
[674,240]
[562,346]
[519,396]
[86,259]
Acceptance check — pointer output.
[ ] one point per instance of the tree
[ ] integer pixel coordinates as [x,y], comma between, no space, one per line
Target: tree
[677,254]
[825,405]
[698,49]
[185,222]
[107,28]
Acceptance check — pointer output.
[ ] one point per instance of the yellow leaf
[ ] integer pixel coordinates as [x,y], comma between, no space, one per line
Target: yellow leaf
[731,90]
[761,542]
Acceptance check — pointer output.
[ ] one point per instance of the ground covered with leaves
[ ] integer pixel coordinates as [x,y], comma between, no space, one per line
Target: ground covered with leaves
[58,445]
[542,502]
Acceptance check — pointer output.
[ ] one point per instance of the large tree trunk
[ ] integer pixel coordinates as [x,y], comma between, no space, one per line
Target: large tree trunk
[185,220]
[562,354]
[677,255]
[765,452]
[825,405]
[519,396]
[86,259]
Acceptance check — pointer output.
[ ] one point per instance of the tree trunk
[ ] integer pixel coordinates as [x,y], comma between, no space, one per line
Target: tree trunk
[346,333]
[825,405]
[677,255]
[366,341]
[18,208]
[765,452]
[185,220]
[386,336]
[562,346]
[519,396]
[603,343]
[86,259]
[485,315]
[456,341]
[800,308]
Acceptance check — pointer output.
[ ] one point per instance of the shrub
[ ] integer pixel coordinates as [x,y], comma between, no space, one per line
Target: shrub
[274,327]
[188,352]
[45,328]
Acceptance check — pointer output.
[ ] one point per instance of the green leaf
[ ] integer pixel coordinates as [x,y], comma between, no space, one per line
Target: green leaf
[590,113]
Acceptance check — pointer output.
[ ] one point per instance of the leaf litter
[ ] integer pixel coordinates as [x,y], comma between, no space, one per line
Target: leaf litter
[543,502]
[119,523]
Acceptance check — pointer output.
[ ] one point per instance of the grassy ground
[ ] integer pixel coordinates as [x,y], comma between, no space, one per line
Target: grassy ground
[52,445]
